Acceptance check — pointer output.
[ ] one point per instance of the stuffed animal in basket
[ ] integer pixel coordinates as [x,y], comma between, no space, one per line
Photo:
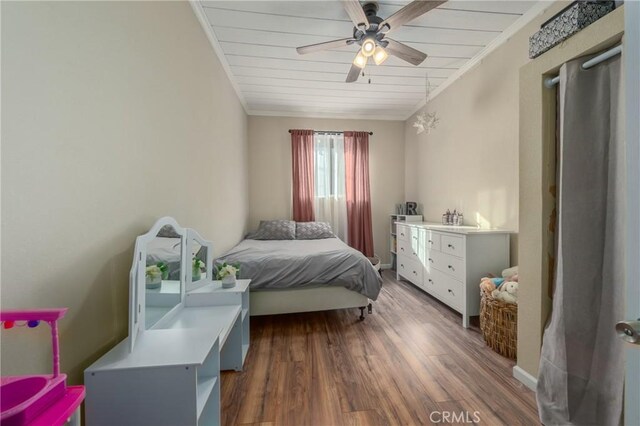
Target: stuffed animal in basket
[487,285]
[507,292]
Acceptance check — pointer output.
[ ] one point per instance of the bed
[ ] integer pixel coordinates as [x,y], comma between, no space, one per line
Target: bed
[305,275]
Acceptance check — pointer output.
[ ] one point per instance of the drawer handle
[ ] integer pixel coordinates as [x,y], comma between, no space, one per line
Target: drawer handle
[451,291]
[430,241]
[451,267]
[402,248]
[415,273]
[430,280]
[402,233]
[431,260]
[450,246]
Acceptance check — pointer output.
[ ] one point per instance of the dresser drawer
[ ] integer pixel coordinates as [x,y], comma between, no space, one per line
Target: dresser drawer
[431,282]
[410,269]
[450,265]
[450,290]
[452,245]
[406,248]
[431,239]
[402,232]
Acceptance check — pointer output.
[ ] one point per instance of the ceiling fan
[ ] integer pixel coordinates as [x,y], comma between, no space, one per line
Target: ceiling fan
[370,33]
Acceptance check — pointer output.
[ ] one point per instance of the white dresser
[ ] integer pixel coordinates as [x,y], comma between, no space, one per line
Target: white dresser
[448,261]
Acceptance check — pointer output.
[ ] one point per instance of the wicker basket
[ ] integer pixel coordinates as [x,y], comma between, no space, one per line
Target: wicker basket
[499,325]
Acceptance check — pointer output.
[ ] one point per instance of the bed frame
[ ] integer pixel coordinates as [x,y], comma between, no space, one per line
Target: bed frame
[271,302]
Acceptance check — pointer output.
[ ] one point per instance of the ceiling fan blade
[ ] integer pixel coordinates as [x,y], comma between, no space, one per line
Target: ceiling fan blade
[354,73]
[408,13]
[355,12]
[404,52]
[302,50]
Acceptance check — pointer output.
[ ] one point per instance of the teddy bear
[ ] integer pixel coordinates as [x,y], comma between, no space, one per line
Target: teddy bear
[487,285]
[507,292]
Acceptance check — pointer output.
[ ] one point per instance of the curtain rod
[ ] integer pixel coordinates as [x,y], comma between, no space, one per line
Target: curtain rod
[328,131]
[552,81]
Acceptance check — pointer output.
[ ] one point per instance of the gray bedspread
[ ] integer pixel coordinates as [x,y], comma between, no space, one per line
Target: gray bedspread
[286,264]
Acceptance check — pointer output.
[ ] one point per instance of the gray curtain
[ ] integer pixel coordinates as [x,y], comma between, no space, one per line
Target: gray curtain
[581,372]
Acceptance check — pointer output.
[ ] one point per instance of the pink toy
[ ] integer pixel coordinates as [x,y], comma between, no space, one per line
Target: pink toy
[38,399]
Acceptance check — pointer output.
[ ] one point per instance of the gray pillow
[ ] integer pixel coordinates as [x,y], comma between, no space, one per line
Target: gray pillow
[313,230]
[168,231]
[274,230]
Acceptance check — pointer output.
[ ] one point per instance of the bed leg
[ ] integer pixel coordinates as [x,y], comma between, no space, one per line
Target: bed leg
[370,308]
[362,313]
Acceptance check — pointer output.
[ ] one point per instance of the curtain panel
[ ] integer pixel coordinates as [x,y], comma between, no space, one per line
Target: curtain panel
[581,375]
[303,175]
[358,192]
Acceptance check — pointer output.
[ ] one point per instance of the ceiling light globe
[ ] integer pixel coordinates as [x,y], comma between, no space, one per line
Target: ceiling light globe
[368,47]
[360,61]
[380,55]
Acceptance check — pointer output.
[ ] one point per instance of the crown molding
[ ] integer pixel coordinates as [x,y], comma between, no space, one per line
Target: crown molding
[340,116]
[538,9]
[204,22]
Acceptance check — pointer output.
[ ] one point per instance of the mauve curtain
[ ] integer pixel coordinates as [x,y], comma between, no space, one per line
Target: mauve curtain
[356,157]
[581,375]
[302,160]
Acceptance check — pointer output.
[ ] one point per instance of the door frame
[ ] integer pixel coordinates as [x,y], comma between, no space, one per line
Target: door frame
[631,57]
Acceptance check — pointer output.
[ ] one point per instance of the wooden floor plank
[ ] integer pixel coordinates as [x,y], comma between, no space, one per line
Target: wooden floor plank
[408,363]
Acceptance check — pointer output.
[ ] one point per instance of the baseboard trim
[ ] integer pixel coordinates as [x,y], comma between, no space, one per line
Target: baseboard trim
[525,378]
[385,266]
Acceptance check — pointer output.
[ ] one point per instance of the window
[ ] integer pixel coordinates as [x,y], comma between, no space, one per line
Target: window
[330,203]
[329,165]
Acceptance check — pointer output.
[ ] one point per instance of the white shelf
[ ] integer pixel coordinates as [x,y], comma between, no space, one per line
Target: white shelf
[195,317]
[205,386]
[245,311]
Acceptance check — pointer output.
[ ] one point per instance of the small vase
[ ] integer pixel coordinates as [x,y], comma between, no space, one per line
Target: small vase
[153,281]
[196,274]
[228,281]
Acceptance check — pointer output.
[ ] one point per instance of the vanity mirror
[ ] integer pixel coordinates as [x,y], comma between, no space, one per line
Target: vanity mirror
[157,278]
[201,260]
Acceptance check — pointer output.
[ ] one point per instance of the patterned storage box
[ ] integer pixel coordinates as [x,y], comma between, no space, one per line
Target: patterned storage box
[569,21]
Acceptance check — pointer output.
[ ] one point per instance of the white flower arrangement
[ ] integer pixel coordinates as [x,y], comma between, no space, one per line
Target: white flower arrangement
[153,272]
[225,270]
[197,264]
[153,276]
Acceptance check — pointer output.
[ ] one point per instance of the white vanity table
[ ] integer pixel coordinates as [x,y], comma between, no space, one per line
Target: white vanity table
[181,334]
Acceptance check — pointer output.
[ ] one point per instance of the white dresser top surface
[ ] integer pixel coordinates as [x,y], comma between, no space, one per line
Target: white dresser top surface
[161,348]
[466,230]
[183,339]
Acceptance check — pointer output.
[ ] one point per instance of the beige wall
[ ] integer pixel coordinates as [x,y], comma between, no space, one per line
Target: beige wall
[113,114]
[470,161]
[270,168]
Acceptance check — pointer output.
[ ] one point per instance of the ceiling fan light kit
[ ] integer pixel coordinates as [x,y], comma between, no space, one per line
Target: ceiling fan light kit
[370,33]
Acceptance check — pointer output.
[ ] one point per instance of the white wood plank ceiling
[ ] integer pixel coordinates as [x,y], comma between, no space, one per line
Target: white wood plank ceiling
[257,40]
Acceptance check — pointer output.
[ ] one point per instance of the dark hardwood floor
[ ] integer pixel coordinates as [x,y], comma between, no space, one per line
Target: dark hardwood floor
[409,363]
